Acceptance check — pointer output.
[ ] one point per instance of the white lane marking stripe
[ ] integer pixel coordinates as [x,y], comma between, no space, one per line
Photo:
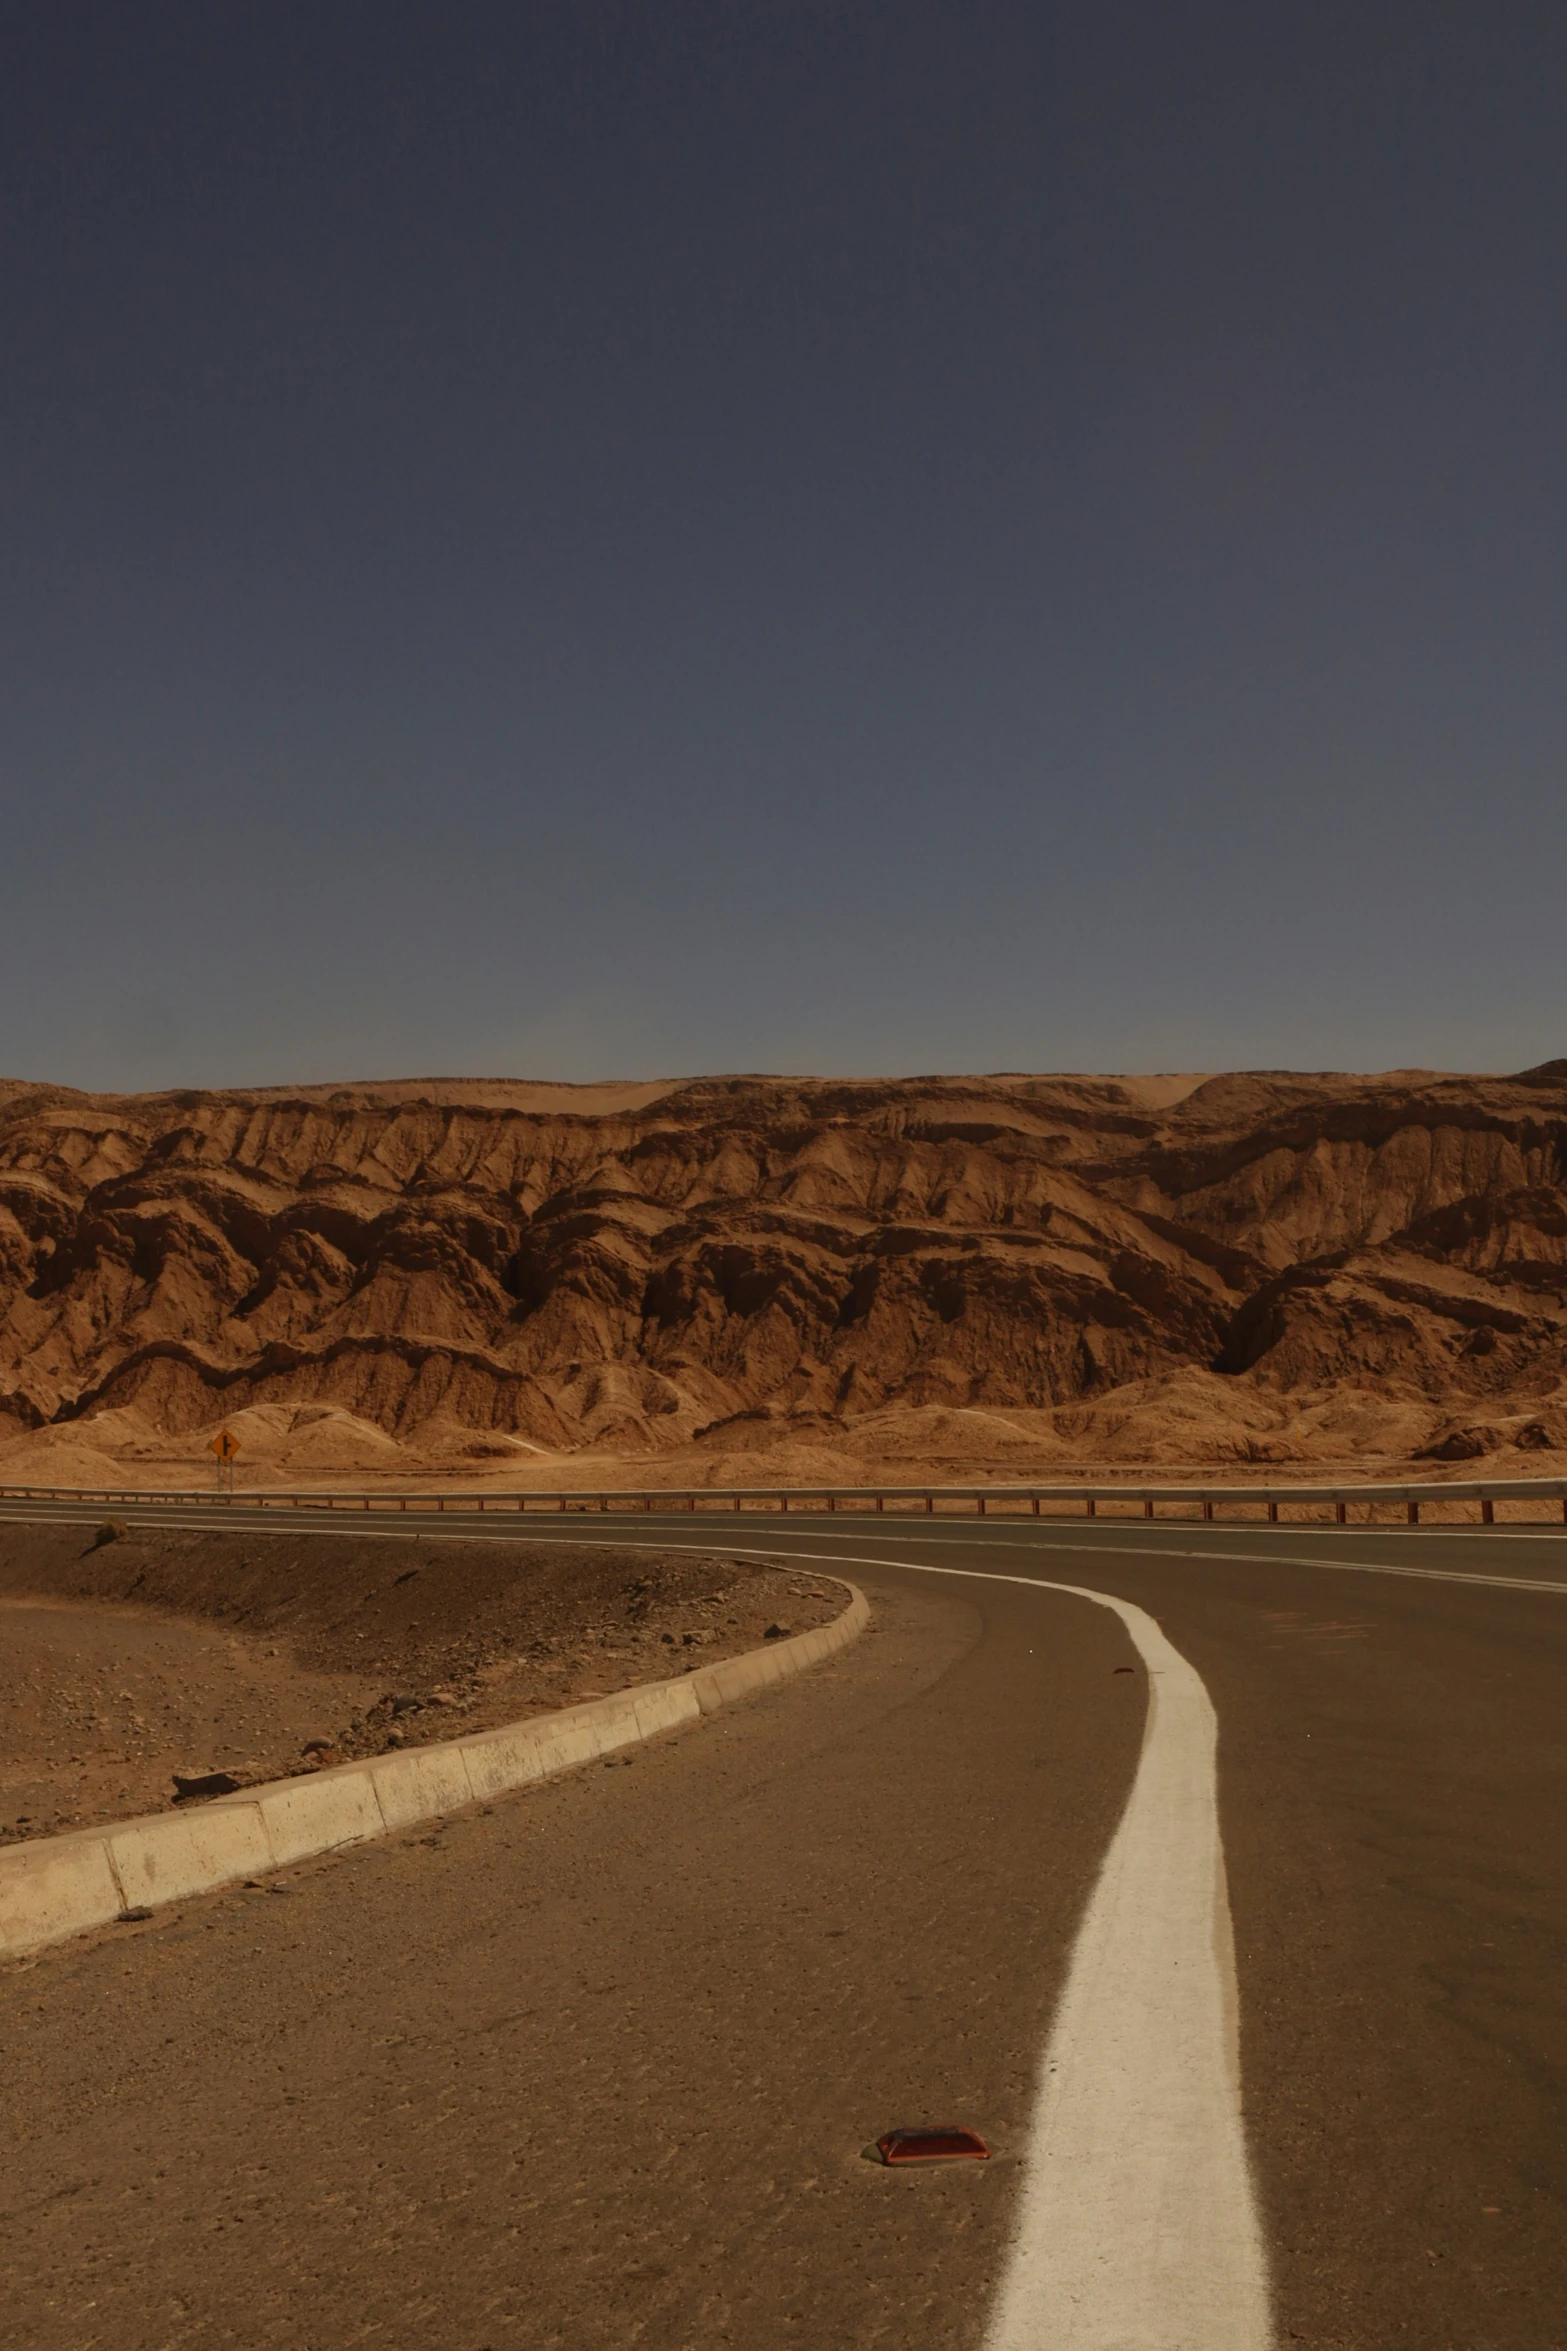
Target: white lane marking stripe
[1432,1575]
[1138,2227]
[552,1531]
[1138,2224]
[906,1523]
[712,1538]
[1435,1575]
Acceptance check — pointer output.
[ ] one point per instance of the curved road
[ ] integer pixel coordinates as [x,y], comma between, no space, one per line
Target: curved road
[596,2067]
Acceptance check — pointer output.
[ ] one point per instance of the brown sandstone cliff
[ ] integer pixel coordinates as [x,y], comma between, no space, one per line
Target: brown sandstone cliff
[1266,1264]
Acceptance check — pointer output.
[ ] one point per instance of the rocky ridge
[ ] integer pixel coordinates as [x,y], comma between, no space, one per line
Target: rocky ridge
[1262,1265]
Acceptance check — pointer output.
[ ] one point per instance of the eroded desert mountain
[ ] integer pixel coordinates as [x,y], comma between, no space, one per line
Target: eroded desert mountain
[748,1271]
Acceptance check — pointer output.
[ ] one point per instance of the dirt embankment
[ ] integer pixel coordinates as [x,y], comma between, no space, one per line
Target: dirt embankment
[785,1277]
[125,1663]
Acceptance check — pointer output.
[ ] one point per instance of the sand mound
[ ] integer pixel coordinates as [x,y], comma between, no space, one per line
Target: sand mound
[442,1439]
[56,1457]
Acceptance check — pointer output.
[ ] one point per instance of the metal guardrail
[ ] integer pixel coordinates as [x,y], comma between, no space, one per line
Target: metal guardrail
[929,1500]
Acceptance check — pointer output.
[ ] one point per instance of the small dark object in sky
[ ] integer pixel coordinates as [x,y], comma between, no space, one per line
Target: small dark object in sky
[950,2143]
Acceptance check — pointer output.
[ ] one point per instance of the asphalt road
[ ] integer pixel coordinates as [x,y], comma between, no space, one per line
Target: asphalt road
[596,2067]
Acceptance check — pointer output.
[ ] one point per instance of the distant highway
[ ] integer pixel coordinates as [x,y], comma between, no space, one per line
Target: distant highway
[598,2066]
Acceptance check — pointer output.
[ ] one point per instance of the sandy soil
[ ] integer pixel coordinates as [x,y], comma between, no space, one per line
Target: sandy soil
[1163,1433]
[125,1663]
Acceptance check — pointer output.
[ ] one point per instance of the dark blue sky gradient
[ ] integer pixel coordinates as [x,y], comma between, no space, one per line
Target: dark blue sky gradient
[602,539]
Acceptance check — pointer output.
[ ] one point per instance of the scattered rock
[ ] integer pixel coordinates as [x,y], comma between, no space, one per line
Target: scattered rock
[1460,1445]
[776,1632]
[202,1783]
[134,1917]
[113,1530]
[474,1653]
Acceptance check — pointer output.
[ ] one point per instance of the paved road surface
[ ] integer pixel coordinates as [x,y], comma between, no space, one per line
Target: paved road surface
[596,2067]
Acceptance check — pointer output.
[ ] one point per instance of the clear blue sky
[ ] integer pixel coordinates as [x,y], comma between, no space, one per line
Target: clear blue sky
[845,535]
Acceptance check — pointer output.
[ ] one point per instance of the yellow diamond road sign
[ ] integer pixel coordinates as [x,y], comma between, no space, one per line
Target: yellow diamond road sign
[225,1445]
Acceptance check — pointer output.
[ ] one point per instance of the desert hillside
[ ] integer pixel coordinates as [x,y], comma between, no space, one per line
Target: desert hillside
[736,1277]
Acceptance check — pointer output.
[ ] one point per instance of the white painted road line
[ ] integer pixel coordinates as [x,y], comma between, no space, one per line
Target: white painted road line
[1138,2227]
[1145,1551]
[715,1533]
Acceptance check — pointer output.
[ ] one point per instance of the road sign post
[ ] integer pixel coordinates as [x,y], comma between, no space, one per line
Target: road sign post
[225,1445]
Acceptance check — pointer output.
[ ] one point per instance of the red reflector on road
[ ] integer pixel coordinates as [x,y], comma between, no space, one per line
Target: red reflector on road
[951,2144]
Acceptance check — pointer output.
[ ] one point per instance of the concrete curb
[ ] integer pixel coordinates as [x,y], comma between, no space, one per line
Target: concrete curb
[56,1887]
